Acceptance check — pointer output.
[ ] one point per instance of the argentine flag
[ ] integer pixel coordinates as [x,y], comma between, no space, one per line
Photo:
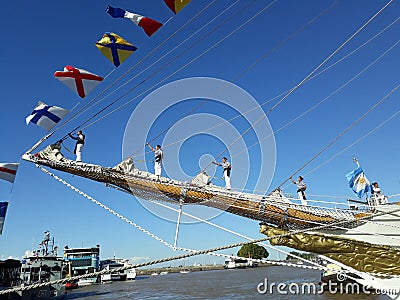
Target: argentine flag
[46,116]
[358,182]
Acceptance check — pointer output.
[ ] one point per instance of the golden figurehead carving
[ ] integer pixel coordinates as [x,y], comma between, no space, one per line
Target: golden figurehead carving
[361,256]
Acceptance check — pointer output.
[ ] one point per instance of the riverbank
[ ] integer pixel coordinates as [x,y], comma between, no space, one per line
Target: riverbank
[199,268]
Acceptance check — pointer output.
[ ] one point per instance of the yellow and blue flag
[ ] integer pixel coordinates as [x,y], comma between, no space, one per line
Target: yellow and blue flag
[115,48]
[176,5]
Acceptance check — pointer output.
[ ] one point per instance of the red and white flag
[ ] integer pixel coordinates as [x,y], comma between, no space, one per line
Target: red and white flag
[8,171]
[149,25]
[78,80]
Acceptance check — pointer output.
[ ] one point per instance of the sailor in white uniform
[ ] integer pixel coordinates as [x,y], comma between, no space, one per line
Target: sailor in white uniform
[80,141]
[301,189]
[158,158]
[227,171]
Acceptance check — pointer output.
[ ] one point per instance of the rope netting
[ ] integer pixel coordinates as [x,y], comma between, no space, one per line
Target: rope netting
[191,254]
[273,208]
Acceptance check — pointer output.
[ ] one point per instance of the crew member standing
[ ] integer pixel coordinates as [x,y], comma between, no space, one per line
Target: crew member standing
[301,189]
[158,158]
[378,196]
[227,171]
[80,141]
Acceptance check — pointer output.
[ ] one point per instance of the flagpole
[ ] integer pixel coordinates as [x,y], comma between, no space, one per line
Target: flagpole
[356,161]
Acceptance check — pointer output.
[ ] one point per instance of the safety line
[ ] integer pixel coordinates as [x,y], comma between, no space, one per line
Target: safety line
[118,79]
[308,76]
[343,132]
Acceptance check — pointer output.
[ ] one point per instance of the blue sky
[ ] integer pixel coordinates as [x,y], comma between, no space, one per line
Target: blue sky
[43,38]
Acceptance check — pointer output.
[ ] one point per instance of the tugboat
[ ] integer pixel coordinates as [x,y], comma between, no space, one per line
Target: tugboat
[42,266]
[336,280]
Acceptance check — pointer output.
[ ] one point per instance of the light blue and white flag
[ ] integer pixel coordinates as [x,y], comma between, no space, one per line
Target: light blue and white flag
[3,210]
[46,116]
[358,182]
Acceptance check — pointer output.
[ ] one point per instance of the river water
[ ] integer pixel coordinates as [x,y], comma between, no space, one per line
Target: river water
[256,283]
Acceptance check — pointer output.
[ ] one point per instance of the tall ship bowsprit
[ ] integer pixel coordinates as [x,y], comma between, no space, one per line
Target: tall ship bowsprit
[362,241]
[360,238]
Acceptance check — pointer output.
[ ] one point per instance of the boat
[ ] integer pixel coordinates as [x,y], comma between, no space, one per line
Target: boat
[239,263]
[131,274]
[346,283]
[154,274]
[185,271]
[42,266]
[362,241]
[112,264]
[251,263]
[369,230]
[87,281]
[82,261]
[164,273]
[235,263]
[71,285]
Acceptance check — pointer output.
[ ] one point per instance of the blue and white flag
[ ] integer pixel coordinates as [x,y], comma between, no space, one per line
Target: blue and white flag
[3,210]
[149,25]
[358,182]
[46,116]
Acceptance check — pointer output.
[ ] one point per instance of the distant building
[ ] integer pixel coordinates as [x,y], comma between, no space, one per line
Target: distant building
[9,272]
[81,261]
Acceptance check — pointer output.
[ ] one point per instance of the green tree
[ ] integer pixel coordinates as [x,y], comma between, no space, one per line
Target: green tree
[253,250]
[289,257]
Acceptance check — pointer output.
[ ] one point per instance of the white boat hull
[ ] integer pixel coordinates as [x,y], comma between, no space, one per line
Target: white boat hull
[86,282]
[380,230]
[131,275]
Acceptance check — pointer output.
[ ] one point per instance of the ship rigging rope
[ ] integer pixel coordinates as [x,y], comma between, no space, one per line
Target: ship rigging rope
[305,79]
[165,243]
[311,222]
[354,143]
[153,262]
[155,85]
[187,64]
[314,265]
[155,62]
[158,70]
[307,221]
[317,266]
[324,99]
[122,76]
[226,230]
[140,228]
[247,69]
[343,133]
[282,93]
[263,244]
